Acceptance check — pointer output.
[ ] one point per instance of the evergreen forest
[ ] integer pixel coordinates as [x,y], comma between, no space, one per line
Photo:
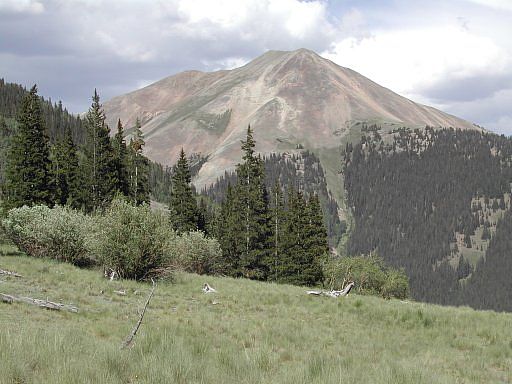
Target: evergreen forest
[437,203]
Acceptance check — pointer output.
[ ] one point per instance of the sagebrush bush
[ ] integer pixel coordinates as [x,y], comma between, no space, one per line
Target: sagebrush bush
[133,240]
[59,233]
[193,252]
[370,274]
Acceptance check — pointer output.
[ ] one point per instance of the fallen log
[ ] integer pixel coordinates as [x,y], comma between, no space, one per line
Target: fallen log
[9,273]
[40,303]
[128,342]
[344,292]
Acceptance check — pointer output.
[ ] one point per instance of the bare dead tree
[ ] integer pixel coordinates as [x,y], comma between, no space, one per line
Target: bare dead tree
[128,342]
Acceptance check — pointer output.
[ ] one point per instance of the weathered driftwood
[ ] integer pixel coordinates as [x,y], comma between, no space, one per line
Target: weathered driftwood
[208,289]
[344,292]
[128,342]
[111,274]
[9,273]
[40,303]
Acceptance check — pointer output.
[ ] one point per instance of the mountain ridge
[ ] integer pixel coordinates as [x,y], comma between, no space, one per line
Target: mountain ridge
[291,99]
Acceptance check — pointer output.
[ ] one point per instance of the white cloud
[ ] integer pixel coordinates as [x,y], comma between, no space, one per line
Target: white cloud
[408,61]
[498,4]
[20,6]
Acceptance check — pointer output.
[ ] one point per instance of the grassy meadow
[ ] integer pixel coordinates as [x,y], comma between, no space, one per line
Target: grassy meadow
[248,332]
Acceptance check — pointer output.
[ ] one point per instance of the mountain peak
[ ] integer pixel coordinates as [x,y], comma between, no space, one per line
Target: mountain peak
[292,99]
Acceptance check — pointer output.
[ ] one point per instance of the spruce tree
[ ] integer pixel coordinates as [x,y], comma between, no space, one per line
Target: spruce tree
[253,198]
[28,164]
[316,241]
[277,213]
[182,206]
[121,160]
[65,172]
[99,166]
[293,257]
[138,167]
[230,235]
[5,140]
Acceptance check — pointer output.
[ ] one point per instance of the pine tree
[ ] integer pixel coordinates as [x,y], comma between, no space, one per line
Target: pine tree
[100,173]
[277,213]
[290,263]
[65,172]
[316,241]
[121,161]
[28,165]
[231,238]
[255,223]
[138,167]
[183,206]
[5,140]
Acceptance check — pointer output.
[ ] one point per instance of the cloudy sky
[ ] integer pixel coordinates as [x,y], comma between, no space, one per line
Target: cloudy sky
[453,54]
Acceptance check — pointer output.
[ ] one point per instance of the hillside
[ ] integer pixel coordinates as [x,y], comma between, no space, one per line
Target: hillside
[424,202]
[291,99]
[248,332]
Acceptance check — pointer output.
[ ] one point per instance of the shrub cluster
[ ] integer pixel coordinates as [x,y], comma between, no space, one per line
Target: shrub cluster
[371,276]
[193,252]
[60,233]
[133,241]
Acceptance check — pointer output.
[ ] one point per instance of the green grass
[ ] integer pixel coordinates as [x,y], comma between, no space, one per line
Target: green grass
[248,332]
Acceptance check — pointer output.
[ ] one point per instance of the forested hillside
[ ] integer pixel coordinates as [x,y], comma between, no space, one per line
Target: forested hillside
[56,117]
[417,202]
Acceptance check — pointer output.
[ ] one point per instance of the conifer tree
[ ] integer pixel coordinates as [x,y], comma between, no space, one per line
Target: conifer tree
[183,206]
[253,198]
[203,216]
[293,256]
[99,167]
[121,160]
[5,139]
[28,165]
[65,172]
[277,212]
[316,241]
[230,235]
[138,167]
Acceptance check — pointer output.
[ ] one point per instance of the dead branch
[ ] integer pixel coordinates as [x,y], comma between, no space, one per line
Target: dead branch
[208,289]
[9,273]
[40,303]
[344,292]
[128,342]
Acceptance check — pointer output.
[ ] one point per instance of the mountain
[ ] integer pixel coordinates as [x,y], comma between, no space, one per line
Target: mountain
[292,100]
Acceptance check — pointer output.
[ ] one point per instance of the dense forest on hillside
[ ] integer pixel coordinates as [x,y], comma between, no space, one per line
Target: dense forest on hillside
[302,172]
[57,119]
[411,197]
[55,116]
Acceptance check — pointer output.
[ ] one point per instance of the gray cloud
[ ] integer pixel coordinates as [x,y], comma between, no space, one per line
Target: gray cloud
[70,47]
[467,89]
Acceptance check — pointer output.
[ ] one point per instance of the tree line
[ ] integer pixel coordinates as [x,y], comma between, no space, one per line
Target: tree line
[303,172]
[86,176]
[262,235]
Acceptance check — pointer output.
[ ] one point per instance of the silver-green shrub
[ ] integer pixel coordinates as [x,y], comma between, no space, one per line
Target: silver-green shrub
[59,233]
[193,252]
[370,274]
[133,240]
